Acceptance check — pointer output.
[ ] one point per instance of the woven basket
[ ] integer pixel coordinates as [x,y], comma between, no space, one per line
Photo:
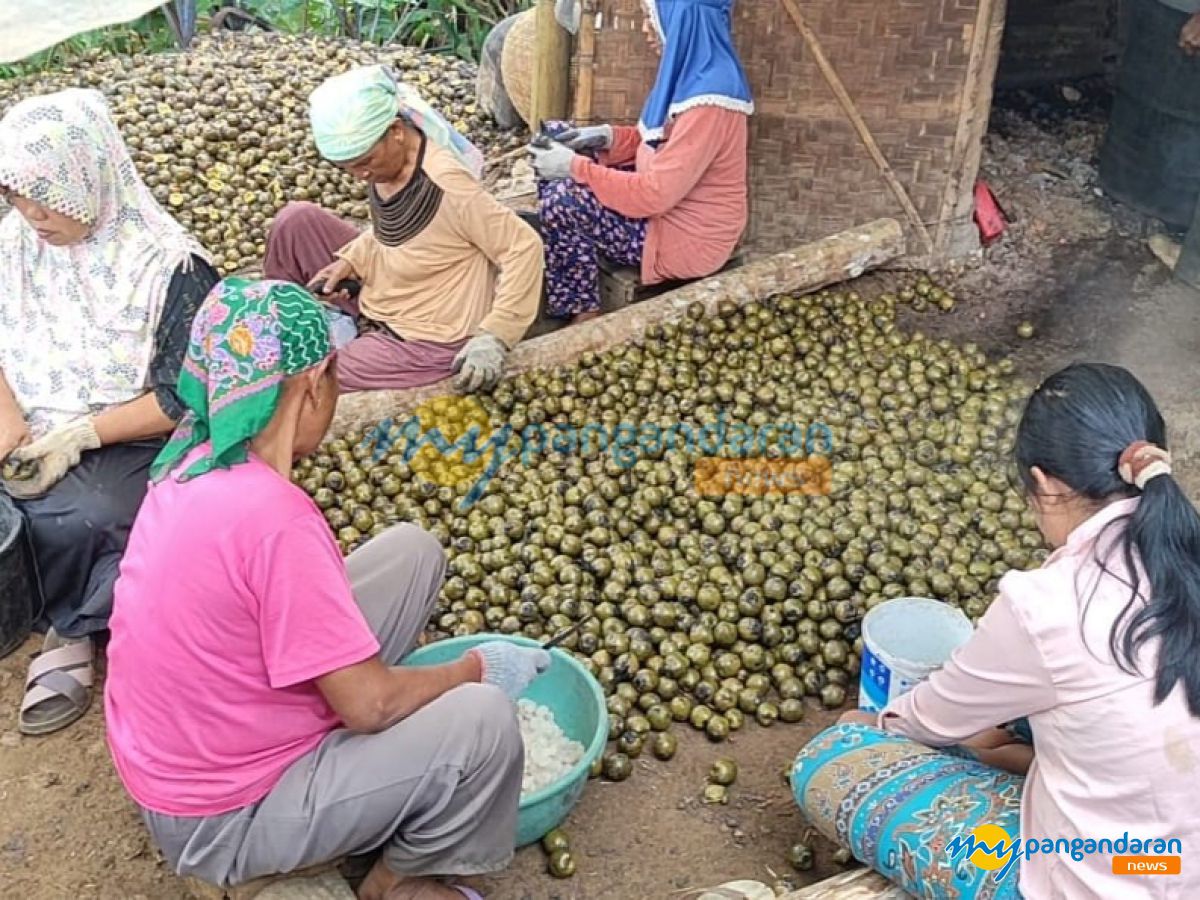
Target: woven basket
[516,63]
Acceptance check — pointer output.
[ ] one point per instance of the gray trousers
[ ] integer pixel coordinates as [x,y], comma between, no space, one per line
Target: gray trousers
[437,791]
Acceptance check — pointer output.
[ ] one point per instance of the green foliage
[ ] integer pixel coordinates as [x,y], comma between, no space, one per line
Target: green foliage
[456,26]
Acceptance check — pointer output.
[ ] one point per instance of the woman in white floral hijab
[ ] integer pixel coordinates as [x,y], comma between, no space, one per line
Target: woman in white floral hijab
[98,287]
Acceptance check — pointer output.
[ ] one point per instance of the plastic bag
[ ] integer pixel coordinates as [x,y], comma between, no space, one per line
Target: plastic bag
[28,26]
[342,328]
[568,13]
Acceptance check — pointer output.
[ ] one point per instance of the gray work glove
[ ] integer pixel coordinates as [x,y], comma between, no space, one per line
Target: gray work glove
[552,163]
[53,455]
[510,666]
[594,137]
[480,363]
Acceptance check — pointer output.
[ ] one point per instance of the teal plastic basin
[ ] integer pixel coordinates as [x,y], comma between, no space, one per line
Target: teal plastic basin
[573,696]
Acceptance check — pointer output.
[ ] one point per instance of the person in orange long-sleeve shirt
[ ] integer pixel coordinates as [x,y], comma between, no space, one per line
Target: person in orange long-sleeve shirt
[669,195]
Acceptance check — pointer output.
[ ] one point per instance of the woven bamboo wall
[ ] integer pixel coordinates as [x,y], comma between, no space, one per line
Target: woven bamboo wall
[904,63]
[1046,41]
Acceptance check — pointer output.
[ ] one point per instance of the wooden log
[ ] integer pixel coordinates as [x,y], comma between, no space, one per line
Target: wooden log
[808,267]
[861,884]
[551,68]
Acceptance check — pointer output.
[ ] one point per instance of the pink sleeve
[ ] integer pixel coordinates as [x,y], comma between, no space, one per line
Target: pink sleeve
[309,624]
[674,168]
[995,677]
[625,142]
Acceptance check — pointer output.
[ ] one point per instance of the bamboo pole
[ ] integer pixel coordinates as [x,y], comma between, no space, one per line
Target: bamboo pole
[860,125]
[551,68]
[586,60]
[809,267]
[986,36]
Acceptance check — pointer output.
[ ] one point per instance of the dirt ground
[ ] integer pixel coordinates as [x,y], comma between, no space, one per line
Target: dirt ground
[1072,264]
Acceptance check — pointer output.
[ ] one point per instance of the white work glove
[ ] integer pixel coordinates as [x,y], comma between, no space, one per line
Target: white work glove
[510,666]
[53,455]
[594,137]
[480,362]
[552,163]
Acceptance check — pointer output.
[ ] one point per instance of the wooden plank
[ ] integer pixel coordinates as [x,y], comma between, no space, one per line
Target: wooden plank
[551,68]
[809,267]
[861,884]
[976,106]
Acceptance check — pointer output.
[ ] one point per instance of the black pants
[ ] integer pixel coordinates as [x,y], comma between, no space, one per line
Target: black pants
[79,532]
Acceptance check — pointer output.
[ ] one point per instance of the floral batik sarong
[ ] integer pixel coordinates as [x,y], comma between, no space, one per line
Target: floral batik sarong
[897,805]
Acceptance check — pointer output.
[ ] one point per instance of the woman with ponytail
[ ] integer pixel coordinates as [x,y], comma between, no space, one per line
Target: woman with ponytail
[1098,650]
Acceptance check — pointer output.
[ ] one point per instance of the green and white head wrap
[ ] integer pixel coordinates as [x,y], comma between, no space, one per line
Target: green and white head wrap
[246,339]
[352,111]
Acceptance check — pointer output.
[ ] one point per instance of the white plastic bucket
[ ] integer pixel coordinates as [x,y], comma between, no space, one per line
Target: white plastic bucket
[904,640]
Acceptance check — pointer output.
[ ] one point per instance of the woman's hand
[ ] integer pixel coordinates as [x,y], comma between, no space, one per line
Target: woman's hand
[480,362]
[552,163]
[54,454]
[325,281]
[508,666]
[14,432]
[1015,758]
[859,717]
[594,137]
[1189,38]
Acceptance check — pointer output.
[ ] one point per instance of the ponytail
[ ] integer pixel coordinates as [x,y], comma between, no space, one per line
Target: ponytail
[1095,428]
[1165,529]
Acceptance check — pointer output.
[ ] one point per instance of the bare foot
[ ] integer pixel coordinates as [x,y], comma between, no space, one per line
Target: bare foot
[382,883]
[585,316]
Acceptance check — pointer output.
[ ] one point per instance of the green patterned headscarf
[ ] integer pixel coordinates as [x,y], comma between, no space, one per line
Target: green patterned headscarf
[352,111]
[247,338]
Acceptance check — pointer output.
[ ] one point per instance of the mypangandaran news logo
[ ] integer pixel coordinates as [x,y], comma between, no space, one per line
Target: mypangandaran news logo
[990,848]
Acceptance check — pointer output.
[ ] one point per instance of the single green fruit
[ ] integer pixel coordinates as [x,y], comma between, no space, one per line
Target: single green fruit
[555,840]
[561,864]
[723,771]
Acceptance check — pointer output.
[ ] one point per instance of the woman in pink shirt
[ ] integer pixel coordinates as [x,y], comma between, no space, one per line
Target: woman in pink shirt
[1099,649]
[256,708]
[668,196]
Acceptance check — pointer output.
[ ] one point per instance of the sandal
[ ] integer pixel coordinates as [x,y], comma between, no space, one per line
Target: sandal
[58,689]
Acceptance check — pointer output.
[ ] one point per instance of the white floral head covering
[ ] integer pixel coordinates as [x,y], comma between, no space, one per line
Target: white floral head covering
[77,323]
